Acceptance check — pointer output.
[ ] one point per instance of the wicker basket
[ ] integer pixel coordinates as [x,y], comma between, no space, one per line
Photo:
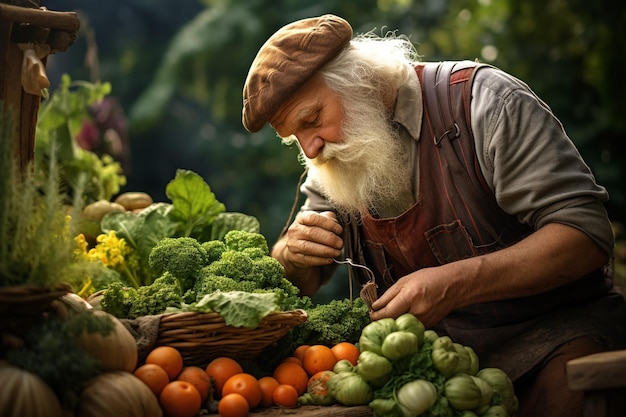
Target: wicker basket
[23,306]
[201,337]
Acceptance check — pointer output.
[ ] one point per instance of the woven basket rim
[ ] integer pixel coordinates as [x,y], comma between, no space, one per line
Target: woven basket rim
[202,336]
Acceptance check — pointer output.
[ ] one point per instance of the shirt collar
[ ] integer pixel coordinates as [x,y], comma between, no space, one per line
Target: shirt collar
[409,109]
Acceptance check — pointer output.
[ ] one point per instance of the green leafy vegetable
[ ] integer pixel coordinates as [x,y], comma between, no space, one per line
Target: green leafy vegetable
[238,308]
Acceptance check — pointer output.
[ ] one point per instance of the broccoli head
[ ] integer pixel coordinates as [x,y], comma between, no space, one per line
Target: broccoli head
[239,240]
[182,257]
[334,322]
[117,299]
[267,272]
[214,249]
[208,283]
[155,298]
[232,264]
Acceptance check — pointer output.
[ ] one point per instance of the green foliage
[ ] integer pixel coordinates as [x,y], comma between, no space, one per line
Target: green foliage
[59,120]
[214,249]
[181,257]
[36,236]
[239,240]
[333,322]
[51,353]
[130,303]
[194,212]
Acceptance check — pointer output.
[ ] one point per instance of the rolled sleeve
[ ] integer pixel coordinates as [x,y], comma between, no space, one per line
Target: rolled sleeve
[532,166]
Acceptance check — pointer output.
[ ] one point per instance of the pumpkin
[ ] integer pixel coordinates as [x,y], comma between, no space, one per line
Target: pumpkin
[116,350]
[115,394]
[25,394]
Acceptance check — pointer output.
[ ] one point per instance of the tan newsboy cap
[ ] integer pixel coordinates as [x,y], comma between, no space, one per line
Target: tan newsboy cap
[286,61]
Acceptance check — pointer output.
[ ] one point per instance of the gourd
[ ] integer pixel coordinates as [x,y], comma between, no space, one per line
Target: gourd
[25,394]
[116,394]
[116,350]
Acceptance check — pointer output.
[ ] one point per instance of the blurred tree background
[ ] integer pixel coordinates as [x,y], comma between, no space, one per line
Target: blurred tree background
[177,69]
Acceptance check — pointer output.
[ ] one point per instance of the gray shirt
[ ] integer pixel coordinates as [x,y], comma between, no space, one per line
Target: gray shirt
[526,158]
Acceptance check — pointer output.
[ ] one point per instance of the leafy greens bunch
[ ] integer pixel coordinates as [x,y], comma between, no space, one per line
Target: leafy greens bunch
[189,271]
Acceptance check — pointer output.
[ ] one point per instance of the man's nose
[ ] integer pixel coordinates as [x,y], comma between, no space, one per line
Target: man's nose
[311,145]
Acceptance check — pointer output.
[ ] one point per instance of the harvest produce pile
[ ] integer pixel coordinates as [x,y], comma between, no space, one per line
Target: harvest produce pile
[136,259]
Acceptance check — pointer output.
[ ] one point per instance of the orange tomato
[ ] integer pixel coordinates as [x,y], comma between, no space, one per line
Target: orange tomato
[285,396]
[155,377]
[292,359]
[318,358]
[292,374]
[168,358]
[198,378]
[346,350]
[180,399]
[268,384]
[233,405]
[246,385]
[299,352]
[220,369]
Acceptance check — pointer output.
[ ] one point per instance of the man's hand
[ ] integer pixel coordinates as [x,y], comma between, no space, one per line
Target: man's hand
[312,240]
[423,293]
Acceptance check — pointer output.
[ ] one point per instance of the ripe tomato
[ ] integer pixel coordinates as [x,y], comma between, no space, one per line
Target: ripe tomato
[346,350]
[268,384]
[198,378]
[220,369]
[180,399]
[318,358]
[233,405]
[246,385]
[153,376]
[285,396]
[168,358]
[292,374]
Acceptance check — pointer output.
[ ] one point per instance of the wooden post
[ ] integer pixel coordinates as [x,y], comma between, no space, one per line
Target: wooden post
[48,30]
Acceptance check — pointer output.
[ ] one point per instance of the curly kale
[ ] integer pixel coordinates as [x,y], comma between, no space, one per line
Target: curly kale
[214,249]
[155,298]
[232,264]
[117,299]
[267,272]
[238,240]
[182,257]
[208,283]
[334,322]
[129,303]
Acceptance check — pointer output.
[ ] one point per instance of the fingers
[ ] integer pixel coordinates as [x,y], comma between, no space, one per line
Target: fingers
[314,239]
[390,304]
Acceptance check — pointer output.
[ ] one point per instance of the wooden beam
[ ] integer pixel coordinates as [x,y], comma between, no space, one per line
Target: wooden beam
[67,21]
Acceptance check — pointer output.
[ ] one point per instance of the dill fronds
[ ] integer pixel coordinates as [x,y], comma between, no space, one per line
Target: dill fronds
[36,234]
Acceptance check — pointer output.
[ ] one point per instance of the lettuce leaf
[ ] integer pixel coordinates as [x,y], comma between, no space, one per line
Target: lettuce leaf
[237,308]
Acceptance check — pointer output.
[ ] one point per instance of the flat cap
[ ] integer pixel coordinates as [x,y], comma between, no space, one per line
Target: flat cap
[286,61]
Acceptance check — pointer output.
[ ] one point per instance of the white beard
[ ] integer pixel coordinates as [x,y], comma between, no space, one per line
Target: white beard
[368,170]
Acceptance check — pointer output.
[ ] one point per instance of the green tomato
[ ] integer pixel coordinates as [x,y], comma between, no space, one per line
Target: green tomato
[373,335]
[350,389]
[495,411]
[344,365]
[462,392]
[502,386]
[444,361]
[408,322]
[384,407]
[430,335]
[372,366]
[399,344]
[415,397]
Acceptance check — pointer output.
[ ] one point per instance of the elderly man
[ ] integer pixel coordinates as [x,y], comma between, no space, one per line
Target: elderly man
[457,186]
